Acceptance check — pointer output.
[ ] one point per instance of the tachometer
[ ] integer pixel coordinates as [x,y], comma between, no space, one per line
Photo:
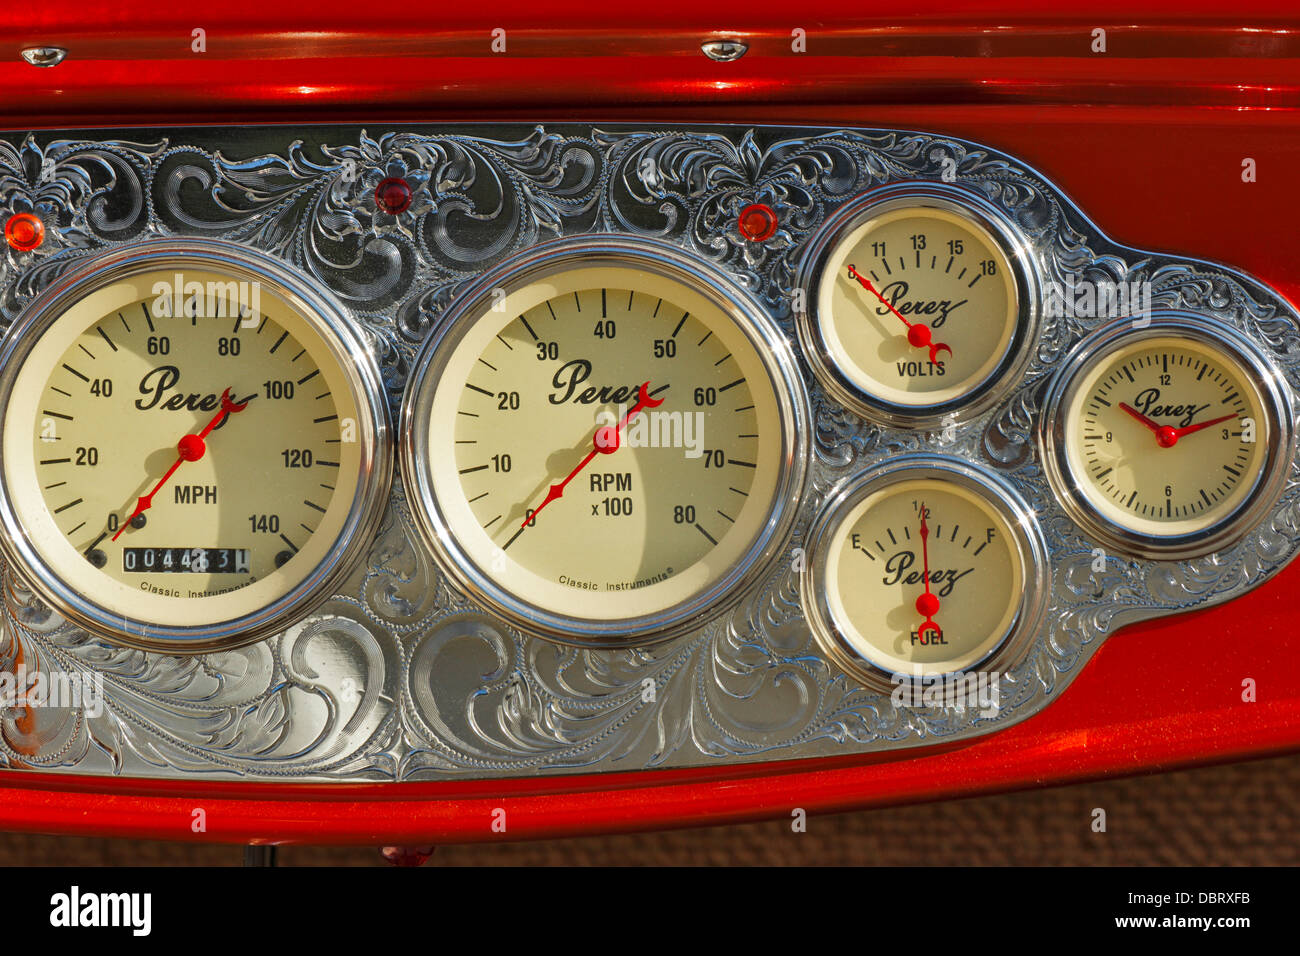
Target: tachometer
[194,446]
[604,441]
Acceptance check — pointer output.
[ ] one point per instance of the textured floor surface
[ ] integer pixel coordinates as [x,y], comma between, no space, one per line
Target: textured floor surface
[1243,814]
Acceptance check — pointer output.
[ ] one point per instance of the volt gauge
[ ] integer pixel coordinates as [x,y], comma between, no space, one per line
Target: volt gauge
[604,441]
[920,305]
[195,446]
[925,567]
[1168,440]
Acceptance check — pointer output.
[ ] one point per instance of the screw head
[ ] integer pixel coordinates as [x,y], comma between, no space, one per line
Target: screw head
[44,55]
[724,51]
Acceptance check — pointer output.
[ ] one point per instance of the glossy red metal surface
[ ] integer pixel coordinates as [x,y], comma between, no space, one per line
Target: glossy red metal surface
[1149,139]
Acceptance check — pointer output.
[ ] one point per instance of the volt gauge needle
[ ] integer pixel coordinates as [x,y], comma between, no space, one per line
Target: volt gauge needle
[918,333]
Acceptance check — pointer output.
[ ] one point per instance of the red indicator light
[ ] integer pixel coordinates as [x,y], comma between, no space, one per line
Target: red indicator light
[393,195]
[24,232]
[757,222]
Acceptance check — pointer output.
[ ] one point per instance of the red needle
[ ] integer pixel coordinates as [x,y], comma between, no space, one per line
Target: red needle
[918,333]
[1189,429]
[927,605]
[1166,435]
[189,448]
[605,442]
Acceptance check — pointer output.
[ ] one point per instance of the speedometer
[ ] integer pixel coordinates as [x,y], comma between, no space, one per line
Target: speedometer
[194,446]
[604,441]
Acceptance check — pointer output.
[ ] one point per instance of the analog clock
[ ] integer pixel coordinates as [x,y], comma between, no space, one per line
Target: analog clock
[1165,439]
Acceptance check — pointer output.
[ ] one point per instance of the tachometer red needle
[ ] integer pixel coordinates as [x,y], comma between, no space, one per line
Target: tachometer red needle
[1166,435]
[189,448]
[927,605]
[918,333]
[606,441]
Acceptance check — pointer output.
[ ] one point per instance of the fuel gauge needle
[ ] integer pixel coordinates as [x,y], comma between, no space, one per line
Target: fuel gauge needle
[927,605]
[189,448]
[918,333]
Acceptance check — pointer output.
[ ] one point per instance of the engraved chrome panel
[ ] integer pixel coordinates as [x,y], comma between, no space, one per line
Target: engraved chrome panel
[400,676]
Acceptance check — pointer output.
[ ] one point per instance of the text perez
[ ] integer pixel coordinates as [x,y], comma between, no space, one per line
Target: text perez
[899,570]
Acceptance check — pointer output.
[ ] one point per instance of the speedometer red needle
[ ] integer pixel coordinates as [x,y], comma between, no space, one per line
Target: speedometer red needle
[918,333]
[605,442]
[927,605]
[1166,435]
[189,448]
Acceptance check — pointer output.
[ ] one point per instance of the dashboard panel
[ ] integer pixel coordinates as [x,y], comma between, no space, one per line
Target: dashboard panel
[1057,435]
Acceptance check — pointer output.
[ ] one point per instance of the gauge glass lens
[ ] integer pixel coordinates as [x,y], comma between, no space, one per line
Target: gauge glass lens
[176,461]
[917,306]
[1166,435]
[607,447]
[923,576]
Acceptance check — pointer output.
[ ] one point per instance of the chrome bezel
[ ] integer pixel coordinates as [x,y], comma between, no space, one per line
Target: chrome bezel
[668,261]
[374,433]
[1031,549]
[1267,486]
[1016,251]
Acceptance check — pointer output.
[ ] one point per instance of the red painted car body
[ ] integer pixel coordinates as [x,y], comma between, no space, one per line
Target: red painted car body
[1148,138]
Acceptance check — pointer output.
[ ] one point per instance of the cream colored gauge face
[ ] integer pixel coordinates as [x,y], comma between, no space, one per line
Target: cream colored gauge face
[1166,436]
[917,310]
[605,454]
[923,576]
[177,466]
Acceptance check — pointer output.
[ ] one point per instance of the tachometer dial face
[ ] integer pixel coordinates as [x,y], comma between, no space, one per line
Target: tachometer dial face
[602,459]
[186,446]
[921,571]
[1166,436]
[916,311]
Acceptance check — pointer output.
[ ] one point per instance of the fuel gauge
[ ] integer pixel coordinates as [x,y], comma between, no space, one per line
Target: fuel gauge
[925,567]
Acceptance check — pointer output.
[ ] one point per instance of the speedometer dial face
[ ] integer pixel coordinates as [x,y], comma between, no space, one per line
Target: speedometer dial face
[186,451]
[1166,435]
[917,309]
[610,454]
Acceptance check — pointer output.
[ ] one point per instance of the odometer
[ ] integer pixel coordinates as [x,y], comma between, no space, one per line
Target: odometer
[603,442]
[193,446]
